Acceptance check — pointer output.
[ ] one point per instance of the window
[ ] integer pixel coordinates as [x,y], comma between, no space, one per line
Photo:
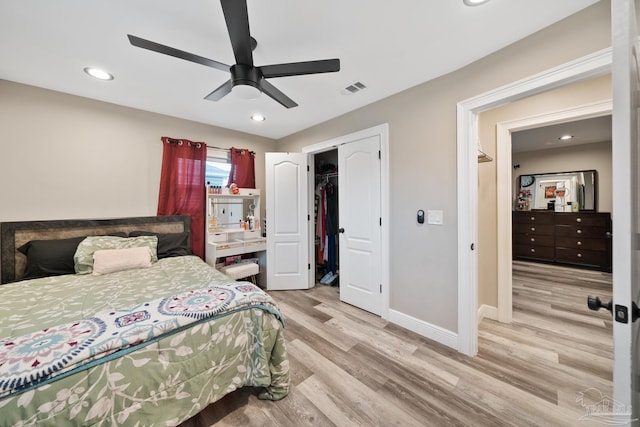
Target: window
[218,167]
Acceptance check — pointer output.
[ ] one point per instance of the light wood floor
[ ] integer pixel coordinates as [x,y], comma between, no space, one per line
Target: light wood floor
[350,368]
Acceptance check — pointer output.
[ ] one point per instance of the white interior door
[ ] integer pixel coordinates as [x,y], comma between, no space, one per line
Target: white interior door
[626,289]
[287,179]
[360,223]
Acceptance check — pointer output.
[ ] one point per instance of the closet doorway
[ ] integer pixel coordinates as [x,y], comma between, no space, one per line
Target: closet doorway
[358,168]
[362,245]
[326,248]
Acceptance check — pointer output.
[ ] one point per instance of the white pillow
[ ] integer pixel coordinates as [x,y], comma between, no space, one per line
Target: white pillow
[111,260]
[83,258]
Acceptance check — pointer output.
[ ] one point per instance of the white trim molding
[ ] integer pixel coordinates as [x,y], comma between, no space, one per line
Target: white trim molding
[504,192]
[487,312]
[426,329]
[590,66]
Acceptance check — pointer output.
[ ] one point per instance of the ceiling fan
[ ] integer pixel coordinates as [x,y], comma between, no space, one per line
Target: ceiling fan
[244,73]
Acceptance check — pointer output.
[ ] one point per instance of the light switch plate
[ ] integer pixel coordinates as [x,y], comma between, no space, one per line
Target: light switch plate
[434,217]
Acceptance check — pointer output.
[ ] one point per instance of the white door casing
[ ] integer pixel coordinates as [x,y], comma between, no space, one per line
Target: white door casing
[626,83]
[287,221]
[504,190]
[360,223]
[625,236]
[590,66]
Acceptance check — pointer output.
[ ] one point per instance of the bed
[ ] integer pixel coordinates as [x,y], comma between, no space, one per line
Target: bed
[131,336]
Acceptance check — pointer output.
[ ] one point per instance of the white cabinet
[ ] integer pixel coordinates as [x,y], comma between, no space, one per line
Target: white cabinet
[233,226]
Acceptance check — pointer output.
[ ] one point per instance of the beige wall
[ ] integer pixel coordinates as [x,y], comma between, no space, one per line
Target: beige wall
[63,156]
[582,157]
[591,156]
[422,126]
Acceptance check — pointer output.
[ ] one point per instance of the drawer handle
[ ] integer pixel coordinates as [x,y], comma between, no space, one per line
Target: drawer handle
[533,218]
[533,229]
[579,255]
[579,231]
[533,250]
[533,239]
[579,243]
[578,219]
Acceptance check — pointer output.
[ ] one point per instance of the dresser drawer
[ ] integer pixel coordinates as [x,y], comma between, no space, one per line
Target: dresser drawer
[530,251]
[534,229]
[579,238]
[582,243]
[583,219]
[533,240]
[581,231]
[579,256]
[533,217]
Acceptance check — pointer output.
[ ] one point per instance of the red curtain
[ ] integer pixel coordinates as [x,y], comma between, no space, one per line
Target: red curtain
[182,188]
[243,171]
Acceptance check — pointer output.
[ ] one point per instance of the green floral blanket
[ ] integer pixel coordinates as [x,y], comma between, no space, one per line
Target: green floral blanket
[187,337]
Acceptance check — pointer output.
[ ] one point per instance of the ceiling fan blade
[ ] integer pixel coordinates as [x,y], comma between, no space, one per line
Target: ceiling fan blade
[220,92]
[276,95]
[237,18]
[160,48]
[300,68]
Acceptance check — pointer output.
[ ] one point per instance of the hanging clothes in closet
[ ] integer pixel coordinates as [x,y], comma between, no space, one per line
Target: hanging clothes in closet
[327,228]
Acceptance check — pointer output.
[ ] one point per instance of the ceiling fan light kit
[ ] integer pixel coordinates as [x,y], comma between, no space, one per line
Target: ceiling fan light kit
[246,92]
[245,78]
[474,2]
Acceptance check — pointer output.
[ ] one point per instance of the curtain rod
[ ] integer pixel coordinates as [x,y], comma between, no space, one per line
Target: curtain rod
[211,146]
[218,148]
[174,140]
[229,149]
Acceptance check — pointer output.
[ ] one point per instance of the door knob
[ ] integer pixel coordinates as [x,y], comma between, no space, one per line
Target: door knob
[595,304]
[341,230]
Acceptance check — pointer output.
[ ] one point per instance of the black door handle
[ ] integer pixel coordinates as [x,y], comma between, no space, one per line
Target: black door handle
[341,230]
[621,315]
[595,304]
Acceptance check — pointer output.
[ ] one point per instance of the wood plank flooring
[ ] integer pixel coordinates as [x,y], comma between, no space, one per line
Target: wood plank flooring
[351,368]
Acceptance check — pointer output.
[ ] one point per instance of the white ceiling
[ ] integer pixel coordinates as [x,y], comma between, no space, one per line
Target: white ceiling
[585,131]
[387,45]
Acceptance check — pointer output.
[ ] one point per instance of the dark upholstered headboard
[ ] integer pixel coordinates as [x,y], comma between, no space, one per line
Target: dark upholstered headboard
[15,234]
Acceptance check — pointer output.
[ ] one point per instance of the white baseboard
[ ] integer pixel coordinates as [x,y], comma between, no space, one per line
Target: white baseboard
[433,332]
[488,311]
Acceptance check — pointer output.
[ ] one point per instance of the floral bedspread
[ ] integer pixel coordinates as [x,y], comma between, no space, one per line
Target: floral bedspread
[158,361]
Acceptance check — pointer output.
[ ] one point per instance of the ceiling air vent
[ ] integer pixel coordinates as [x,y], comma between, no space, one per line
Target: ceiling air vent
[353,88]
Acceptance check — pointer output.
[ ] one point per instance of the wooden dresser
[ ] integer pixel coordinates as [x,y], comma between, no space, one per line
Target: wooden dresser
[582,239]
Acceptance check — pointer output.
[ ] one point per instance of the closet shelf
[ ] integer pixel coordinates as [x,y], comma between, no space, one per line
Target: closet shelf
[327,175]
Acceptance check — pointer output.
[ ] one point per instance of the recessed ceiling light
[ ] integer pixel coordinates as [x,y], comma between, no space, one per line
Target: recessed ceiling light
[258,118]
[565,137]
[97,73]
[474,2]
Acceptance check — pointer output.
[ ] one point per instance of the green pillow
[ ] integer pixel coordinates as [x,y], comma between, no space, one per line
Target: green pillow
[83,258]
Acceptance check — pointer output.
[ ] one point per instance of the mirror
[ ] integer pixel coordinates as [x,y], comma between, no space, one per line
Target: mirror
[560,191]
[229,212]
